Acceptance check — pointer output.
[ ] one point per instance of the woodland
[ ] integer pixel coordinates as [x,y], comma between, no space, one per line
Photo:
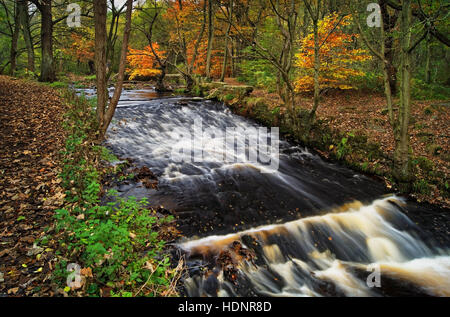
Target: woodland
[365,84]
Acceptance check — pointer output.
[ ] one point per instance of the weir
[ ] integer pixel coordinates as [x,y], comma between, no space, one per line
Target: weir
[304,228]
[336,254]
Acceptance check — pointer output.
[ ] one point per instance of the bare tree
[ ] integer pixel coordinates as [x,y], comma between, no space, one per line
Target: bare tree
[47,63]
[14,39]
[112,34]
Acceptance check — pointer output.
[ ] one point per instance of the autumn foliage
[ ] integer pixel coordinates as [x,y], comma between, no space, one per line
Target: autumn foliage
[200,61]
[142,63]
[81,48]
[338,58]
[187,20]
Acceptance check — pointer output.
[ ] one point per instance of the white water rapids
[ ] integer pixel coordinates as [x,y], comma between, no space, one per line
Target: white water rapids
[308,228]
[333,254]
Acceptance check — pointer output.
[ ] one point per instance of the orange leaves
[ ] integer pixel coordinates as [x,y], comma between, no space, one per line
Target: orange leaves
[200,62]
[187,24]
[338,60]
[143,63]
[81,49]
[186,19]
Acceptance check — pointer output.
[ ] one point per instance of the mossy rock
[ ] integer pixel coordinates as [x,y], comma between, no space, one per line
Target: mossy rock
[175,79]
[212,85]
[255,102]
[239,90]
[223,91]
[214,94]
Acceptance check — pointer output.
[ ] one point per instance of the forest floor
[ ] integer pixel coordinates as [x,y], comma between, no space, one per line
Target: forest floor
[30,191]
[33,247]
[364,113]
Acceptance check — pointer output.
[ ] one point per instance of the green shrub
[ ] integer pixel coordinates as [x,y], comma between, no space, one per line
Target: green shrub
[421,186]
[228,97]
[371,81]
[59,84]
[118,241]
[258,73]
[420,90]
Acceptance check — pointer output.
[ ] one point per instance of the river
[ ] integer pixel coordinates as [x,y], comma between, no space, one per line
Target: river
[288,224]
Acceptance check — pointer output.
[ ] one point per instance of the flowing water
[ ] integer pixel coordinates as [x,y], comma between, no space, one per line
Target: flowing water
[301,227]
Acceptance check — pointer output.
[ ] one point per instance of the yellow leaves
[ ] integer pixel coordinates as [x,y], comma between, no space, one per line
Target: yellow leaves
[337,58]
[13,290]
[143,63]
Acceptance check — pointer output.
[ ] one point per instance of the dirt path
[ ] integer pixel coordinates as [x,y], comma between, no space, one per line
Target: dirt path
[31,139]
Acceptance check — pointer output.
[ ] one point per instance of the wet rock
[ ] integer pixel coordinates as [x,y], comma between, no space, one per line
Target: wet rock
[242,252]
[144,172]
[124,187]
[195,268]
[146,176]
[225,260]
[255,246]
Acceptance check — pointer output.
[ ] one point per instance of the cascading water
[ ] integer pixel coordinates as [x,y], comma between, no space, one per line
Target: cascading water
[306,228]
[335,254]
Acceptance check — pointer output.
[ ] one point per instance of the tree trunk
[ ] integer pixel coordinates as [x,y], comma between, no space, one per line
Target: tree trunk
[25,23]
[428,60]
[100,10]
[312,114]
[100,29]
[47,63]
[210,38]
[15,37]
[227,35]
[387,82]
[402,156]
[160,80]
[389,22]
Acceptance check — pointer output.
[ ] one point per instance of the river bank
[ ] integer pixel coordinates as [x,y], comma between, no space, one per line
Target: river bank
[352,129]
[57,239]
